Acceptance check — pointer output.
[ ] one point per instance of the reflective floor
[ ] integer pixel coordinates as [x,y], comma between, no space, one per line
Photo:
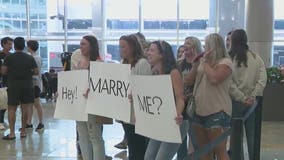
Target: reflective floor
[58,140]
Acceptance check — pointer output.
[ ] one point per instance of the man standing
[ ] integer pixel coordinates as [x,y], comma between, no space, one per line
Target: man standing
[6,44]
[19,67]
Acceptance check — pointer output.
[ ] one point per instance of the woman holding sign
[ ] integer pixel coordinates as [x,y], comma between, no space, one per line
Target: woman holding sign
[211,76]
[131,53]
[162,60]
[90,133]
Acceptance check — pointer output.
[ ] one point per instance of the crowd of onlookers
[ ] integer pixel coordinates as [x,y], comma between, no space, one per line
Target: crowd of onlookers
[224,77]
[20,74]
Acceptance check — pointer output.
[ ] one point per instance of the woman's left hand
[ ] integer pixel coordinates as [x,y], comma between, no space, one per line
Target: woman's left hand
[179,119]
[130,98]
[86,93]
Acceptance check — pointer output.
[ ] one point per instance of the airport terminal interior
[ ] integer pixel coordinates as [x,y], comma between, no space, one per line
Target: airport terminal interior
[59,25]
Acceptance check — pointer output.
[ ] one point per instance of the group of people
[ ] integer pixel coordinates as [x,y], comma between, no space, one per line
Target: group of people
[20,74]
[226,79]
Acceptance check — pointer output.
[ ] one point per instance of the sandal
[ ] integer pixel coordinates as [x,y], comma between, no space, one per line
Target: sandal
[7,137]
[23,135]
[121,145]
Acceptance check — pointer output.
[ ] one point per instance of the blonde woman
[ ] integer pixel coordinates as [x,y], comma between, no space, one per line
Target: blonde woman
[191,48]
[213,103]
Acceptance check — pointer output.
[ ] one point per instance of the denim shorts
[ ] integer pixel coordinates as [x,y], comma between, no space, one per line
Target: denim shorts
[215,120]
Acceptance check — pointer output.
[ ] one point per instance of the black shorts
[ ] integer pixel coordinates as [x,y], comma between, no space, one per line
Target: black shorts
[36,91]
[20,95]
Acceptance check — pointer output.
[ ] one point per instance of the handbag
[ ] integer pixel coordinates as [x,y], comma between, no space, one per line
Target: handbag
[3,98]
[191,106]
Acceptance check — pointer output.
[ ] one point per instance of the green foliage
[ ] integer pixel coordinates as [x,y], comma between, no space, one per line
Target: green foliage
[274,75]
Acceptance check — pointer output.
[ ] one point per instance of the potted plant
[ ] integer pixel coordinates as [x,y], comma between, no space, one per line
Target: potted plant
[273,96]
[274,75]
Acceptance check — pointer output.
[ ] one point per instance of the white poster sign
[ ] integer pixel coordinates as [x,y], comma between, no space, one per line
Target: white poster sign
[109,90]
[154,108]
[71,104]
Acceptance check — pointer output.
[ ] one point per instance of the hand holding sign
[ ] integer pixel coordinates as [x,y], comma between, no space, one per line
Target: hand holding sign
[109,89]
[70,102]
[154,107]
[179,119]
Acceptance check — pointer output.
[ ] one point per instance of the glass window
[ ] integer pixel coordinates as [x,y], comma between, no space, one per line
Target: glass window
[7,15]
[34,25]
[278,45]
[23,2]
[17,24]
[17,15]
[8,24]
[38,15]
[15,1]
[42,2]
[33,16]
[24,25]
[113,50]
[54,50]
[42,16]
[23,15]
[159,22]
[194,17]
[42,51]
[42,26]
[6,1]
[121,16]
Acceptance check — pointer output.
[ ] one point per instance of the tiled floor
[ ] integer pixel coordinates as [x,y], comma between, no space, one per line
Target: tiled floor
[57,142]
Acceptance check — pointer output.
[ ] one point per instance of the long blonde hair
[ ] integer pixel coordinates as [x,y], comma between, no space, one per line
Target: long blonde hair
[216,43]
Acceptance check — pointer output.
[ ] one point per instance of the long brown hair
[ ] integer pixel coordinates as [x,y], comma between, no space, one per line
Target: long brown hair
[134,46]
[239,47]
[94,47]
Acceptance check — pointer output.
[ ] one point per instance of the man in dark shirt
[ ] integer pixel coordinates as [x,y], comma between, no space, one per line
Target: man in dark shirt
[7,44]
[19,67]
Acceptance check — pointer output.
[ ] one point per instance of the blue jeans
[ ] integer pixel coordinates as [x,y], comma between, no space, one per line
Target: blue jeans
[158,150]
[215,120]
[239,110]
[90,139]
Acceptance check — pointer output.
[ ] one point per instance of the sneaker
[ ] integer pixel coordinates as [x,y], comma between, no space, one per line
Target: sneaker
[28,126]
[2,126]
[40,127]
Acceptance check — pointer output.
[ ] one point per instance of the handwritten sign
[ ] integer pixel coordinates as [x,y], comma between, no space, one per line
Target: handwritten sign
[154,108]
[109,89]
[71,103]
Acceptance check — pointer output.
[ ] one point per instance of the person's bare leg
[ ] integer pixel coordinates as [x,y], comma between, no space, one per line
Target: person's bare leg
[29,115]
[38,107]
[25,108]
[202,139]
[12,119]
[219,150]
